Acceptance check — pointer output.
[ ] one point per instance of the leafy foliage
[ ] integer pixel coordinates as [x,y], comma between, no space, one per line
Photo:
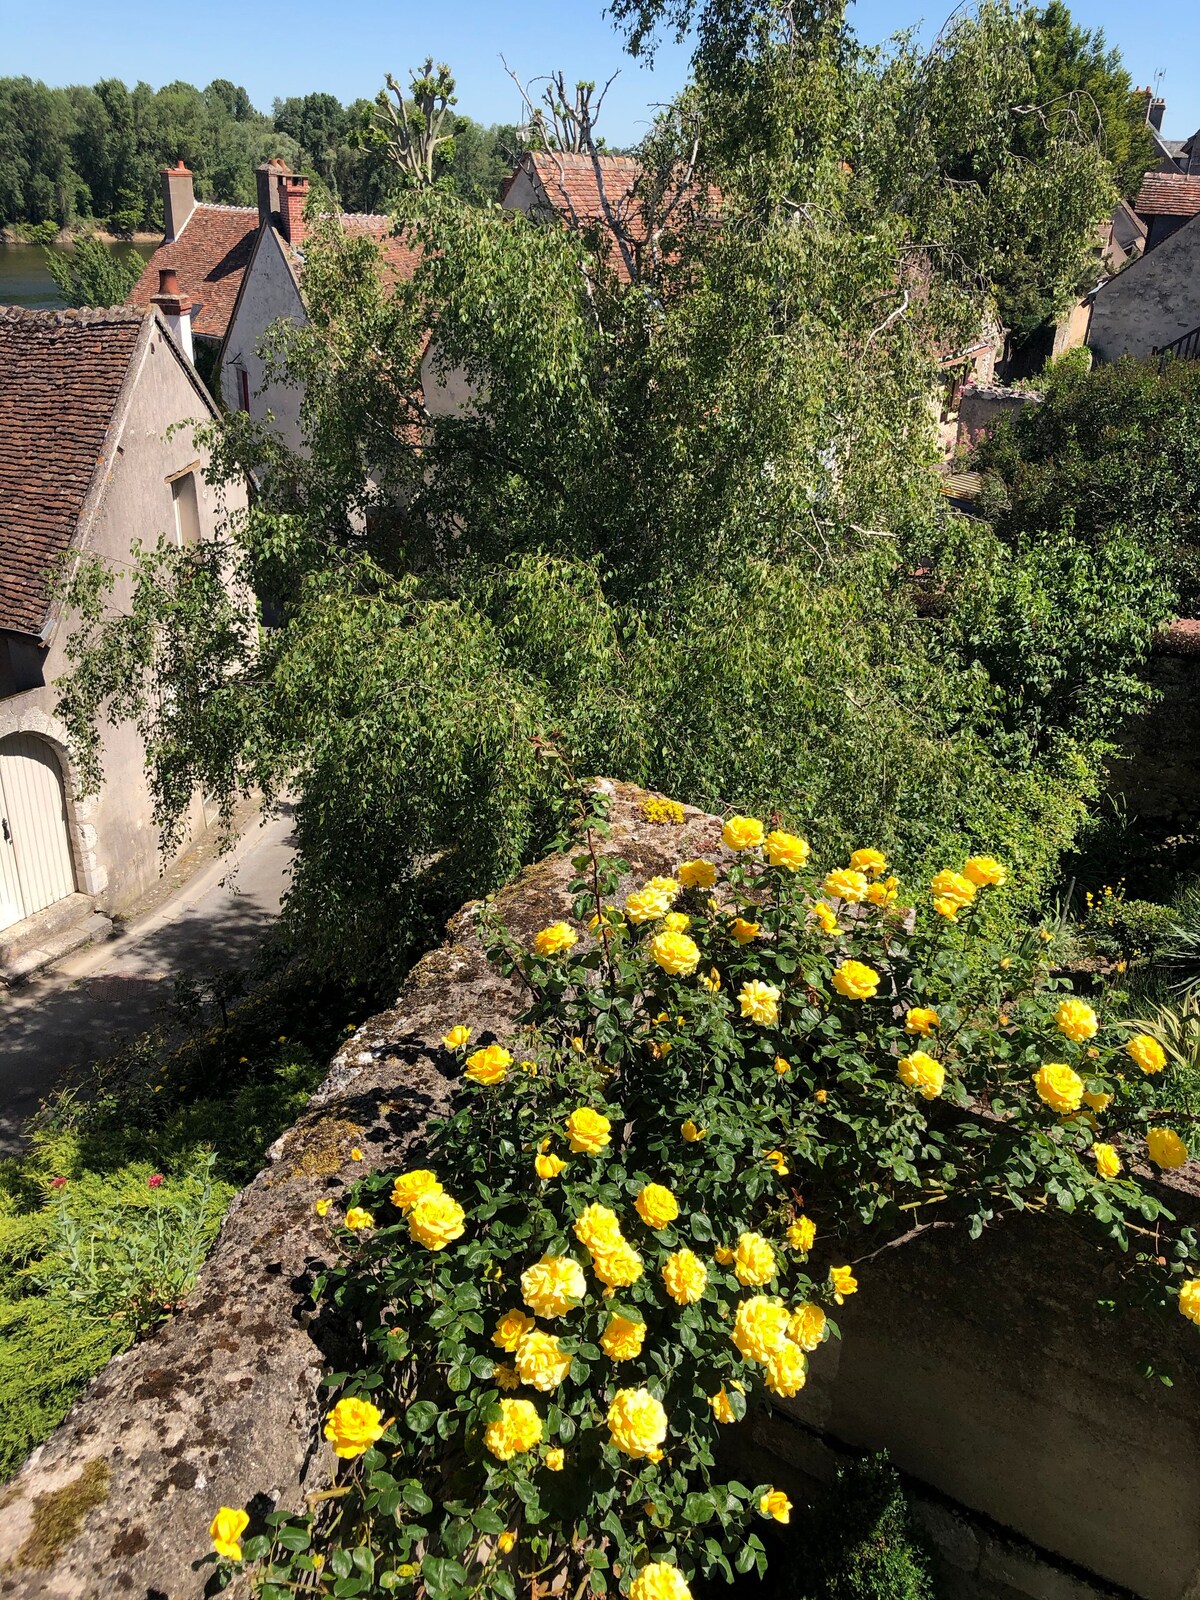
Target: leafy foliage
[93,275]
[859,1541]
[713,1051]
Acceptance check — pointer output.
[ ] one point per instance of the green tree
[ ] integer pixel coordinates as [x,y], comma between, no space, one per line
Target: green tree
[671,539]
[92,274]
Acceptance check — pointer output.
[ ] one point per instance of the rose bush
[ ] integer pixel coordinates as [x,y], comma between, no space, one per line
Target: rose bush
[621,1222]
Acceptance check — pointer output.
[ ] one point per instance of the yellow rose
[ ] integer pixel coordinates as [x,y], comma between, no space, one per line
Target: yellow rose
[548,1166]
[744,931]
[540,1362]
[1060,1087]
[920,1019]
[598,1227]
[775,1504]
[617,1265]
[659,1580]
[712,982]
[436,1220]
[554,1460]
[947,908]
[511,1329]
[723,1255]
[663,885]
[826,916]
[753,1260]
[489,1066]
[657,1206]
[552,941]
[517,1429]
[637,1422]
[622,1339]
[684,1275]
[356,1154]
[1189,1300]
[1108,1163]
[821,1096]
[506,1377]
[1146,1051]
[588,1131]
[802,1233]
[872,862]
[457,1037]
[786,850]
[357,1218]
[921,1072]
[759,1002]
[226,1530]
[676,922]
[696,874]
[352,1427]
[505,1542]
[410,1187]
[787,1370]
[782,1066]
[742,833]
[1165,1148]
[322,1207]
[691,1132]
[954,887]
[553,1286]
[807,1326]
[760,1327]
[1076,1020]
[843,1282]
[777,1160]
[843,883]
[856,980]
[1097,1102]
[985,872]
[647,905]
[722,1406]
[675,953]
[884,892]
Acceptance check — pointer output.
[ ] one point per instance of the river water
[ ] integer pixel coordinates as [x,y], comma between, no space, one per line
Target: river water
[24,280]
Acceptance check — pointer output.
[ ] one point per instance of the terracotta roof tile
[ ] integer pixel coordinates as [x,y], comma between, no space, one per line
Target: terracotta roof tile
[400,258]
[60,377]
[210,256]
[1168,194]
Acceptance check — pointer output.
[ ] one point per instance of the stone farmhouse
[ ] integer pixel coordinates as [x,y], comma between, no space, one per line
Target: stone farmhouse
[91,460]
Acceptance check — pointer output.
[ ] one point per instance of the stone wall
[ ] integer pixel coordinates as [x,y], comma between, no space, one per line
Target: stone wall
[1159,776]
[1046,1466]
[1154,300]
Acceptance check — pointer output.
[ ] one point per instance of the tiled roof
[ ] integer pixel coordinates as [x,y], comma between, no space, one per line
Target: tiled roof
[399,258]
[1168,194]
[60,377]
[210,257]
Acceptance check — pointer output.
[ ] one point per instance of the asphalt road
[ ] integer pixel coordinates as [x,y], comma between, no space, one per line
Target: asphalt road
[77,1010]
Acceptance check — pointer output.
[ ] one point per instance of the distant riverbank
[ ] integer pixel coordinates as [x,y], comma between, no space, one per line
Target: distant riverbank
[24,280]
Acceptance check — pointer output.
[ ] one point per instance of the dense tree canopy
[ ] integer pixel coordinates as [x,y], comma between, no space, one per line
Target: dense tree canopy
[688,534]
[95,153]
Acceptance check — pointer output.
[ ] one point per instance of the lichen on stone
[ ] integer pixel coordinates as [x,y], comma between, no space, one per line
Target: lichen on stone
[58,1516]
[324,1147]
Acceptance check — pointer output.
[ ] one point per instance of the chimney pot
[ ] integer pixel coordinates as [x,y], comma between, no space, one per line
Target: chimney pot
[168,281]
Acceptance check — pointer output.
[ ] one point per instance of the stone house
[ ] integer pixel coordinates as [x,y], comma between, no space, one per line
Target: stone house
[1154,301]
[91,459]
[207,247]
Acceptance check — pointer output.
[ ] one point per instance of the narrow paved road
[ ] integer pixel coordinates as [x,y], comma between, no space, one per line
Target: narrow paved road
[77,1010]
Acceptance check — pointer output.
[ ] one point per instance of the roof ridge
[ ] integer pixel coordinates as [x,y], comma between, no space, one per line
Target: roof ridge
[218,205]
[66,315]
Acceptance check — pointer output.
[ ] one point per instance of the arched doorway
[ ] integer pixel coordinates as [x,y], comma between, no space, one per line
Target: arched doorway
[36,868]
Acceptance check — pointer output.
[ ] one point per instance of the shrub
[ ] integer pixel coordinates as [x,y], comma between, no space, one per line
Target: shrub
[859,1541]
[606,1259]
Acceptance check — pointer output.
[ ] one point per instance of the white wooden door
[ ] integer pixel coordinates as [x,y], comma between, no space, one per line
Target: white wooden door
[35,847]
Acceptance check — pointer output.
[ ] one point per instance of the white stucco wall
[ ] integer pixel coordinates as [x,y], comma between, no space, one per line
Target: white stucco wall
[114,840]
[1154,300]
[268,293]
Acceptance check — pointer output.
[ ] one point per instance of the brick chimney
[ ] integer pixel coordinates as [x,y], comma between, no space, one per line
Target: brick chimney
[175,308]
[1154,114]
[179,200]
[293,192]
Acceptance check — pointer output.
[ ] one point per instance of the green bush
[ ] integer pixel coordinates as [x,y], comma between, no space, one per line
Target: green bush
[858,1541]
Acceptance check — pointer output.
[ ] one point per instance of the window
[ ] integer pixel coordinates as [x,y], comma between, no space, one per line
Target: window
[243,388]
[187,508]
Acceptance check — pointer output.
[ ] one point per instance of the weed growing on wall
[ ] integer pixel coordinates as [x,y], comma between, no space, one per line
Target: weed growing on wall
[645,1208]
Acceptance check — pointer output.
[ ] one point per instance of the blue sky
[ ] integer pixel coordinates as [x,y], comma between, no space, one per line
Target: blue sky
[345,48]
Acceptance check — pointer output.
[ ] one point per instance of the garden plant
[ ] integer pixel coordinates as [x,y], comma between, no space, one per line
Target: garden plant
[726,1096]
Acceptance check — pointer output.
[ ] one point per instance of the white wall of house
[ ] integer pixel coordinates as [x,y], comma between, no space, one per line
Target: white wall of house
[269,293]
[1153,301]
[114,843]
